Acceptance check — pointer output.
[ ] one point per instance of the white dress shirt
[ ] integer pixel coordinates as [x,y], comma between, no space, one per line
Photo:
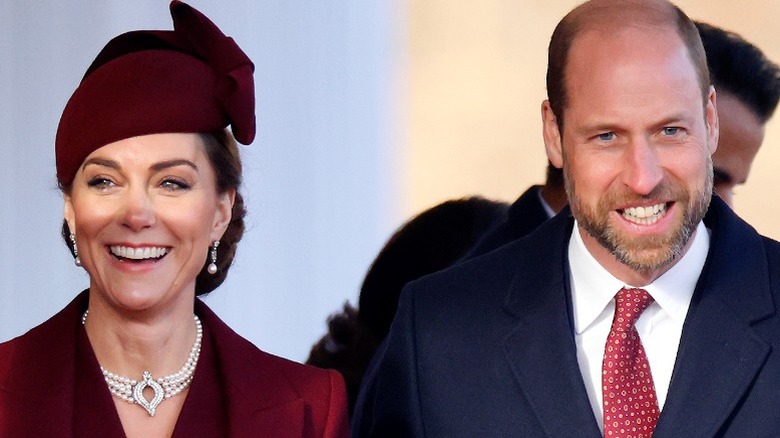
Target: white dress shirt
[593,290]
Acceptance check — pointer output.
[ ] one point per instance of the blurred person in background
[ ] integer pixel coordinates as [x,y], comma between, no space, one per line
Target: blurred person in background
[748,86]
[428,242]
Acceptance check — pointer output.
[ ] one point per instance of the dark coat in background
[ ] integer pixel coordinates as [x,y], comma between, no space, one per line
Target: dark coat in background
[524,216]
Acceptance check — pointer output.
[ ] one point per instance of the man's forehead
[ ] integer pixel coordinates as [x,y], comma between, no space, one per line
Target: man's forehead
[624,46]
[646,37]
[604,53]
[623,12]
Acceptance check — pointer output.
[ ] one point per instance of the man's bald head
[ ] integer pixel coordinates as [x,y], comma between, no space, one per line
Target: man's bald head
[610,17]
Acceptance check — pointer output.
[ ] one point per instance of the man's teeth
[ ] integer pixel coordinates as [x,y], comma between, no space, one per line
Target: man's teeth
[645,215]
[148,252]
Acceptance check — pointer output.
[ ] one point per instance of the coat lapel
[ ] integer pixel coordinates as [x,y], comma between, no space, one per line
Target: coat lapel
[541,349]
[94,413]
[720,354]
[258,400]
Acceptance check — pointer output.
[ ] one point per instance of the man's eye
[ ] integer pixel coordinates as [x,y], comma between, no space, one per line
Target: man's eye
[670,130]
[606,136]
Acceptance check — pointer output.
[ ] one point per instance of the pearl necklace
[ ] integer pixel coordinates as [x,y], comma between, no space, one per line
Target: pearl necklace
[131,390]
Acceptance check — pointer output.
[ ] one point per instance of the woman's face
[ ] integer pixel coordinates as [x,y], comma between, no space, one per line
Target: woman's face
[145,211]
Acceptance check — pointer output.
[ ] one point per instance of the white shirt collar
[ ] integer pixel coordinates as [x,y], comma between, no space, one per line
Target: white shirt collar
[593,287]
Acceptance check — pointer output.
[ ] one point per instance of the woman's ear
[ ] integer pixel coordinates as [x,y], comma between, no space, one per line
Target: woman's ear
[223,214]
[70,216]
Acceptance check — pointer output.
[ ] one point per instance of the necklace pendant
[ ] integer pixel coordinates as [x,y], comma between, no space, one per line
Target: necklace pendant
[157,398]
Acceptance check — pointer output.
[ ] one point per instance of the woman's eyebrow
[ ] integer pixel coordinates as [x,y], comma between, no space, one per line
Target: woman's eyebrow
[101,162]
[173,163]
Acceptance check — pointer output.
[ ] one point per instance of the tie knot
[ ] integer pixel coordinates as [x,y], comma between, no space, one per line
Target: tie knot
[630,303]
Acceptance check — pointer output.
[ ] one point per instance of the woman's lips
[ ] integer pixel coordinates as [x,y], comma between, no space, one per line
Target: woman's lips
[138,253]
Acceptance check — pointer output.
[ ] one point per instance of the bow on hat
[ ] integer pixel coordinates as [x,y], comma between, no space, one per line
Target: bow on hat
[233,68]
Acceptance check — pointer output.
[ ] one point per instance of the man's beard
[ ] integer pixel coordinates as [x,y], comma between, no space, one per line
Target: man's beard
[645,253]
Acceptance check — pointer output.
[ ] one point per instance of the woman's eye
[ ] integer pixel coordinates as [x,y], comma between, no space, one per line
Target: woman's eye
[100,183]
[606,136]
[174,185]
[670,130]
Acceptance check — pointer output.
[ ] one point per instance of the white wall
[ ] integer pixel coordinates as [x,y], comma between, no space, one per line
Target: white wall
[320,178]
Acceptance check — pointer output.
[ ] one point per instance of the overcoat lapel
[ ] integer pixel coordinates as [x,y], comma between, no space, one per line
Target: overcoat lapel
[720,354]
[541,349]
[258,399]
[94,412]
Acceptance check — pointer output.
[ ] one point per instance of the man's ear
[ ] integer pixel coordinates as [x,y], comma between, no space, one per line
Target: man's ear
[552,135]
[711,117]
[224,213]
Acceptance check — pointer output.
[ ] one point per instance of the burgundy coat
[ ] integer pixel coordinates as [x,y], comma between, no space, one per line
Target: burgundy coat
[51,385]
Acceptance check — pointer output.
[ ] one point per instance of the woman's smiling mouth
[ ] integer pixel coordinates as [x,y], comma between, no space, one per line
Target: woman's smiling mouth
[123,253]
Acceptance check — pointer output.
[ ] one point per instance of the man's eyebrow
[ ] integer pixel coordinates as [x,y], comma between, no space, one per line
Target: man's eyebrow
[720,175]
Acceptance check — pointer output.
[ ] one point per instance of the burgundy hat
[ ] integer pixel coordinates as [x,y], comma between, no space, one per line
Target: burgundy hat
[190,79]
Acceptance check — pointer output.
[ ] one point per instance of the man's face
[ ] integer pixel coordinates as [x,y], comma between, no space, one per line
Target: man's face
[741,134]
[635,149]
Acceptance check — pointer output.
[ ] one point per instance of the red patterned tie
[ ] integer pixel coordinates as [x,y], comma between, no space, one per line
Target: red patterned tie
[630,405]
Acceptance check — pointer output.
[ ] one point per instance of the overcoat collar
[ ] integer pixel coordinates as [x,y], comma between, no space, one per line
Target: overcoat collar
[258,397]
[541,350]
[720,354]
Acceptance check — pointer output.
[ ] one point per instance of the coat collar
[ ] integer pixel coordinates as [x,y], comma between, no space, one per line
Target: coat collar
[720,354]
[545,333]
[258,396]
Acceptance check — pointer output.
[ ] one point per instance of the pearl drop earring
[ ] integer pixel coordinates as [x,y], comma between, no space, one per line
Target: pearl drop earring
[77,259]
[212,268]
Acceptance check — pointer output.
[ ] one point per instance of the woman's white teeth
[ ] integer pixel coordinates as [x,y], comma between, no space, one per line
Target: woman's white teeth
[645,215]
[148,252]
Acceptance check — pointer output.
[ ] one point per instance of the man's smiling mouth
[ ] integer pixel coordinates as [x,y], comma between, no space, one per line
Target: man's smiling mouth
[645,215]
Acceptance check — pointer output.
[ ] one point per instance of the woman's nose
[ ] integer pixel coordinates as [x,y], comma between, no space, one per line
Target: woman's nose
[138,210]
